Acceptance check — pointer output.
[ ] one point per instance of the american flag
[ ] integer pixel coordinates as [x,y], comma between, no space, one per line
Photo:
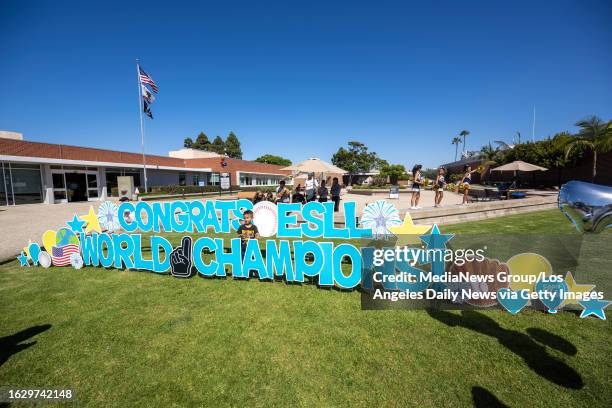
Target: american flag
[146,79]
[61,255]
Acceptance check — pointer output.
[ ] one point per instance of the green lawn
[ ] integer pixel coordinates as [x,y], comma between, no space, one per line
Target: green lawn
[140,339]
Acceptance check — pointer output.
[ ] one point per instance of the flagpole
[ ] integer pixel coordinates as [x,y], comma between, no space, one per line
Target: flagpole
[140,109]
[533,126]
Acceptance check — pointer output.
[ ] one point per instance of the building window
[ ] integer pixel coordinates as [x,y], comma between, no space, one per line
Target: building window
[182,179]
[214,179]
[24,183]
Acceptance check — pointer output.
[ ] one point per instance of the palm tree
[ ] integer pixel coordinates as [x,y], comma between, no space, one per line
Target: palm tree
[456,140]
[594,135]
[489,153]
[501,145]
[463,134]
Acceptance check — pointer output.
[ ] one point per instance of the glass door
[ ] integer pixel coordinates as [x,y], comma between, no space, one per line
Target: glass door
[60,194]
[75,184]
[3,193]
[92,185]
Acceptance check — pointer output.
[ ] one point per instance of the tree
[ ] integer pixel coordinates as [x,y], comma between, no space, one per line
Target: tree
[393,171]
[549,153]
[456,140]
[218,145]
[201,142]
[501,145]
[464,134]
[188,142]
[594,135]
[272,159]
[356,159]
[232,146]
[489,153]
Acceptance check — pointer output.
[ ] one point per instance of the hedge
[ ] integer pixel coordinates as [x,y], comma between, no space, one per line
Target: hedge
[175,189]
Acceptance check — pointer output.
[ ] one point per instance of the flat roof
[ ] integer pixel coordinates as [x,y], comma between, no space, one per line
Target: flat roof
[48,153]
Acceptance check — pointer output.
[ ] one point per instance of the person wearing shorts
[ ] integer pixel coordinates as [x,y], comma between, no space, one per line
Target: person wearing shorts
[416,187]
[439,185]
[466,181]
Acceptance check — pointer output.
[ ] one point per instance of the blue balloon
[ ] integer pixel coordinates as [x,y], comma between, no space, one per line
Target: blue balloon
[550,290]
[34,251]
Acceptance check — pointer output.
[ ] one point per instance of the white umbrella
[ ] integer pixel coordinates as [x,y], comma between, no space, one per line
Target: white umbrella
[315,165]
[519,165]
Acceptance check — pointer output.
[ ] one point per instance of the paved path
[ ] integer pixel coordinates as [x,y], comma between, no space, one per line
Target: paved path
[22,222]
[403,202]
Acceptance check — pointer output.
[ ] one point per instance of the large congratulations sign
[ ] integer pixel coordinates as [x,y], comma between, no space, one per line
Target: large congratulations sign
[298,251]
[395,260]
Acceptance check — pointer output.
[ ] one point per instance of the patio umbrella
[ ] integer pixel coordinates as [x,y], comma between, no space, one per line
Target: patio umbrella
[519,165]
[314,165]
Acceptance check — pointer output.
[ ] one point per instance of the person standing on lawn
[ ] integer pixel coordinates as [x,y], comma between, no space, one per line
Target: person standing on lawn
[323,192]
[311,188]
[247,231]
[335,193]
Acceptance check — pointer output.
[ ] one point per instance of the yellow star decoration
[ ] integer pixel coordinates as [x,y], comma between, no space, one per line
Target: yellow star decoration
[408,232]
[26,249]
[93,224]
[572,286]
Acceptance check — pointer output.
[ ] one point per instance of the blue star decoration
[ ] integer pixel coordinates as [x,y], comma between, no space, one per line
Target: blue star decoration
[594,307]
[435,240]
[23,259]
[76,224]
[438,241]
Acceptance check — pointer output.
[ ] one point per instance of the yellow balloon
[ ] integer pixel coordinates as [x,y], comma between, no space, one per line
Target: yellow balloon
[528,264]
[48,239]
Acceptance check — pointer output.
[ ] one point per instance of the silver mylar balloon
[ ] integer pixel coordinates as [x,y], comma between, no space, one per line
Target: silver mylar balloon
[44,259]
[587,205]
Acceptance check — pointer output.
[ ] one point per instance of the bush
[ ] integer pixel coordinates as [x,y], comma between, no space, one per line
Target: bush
[455,177]
[176,189]
[379,182]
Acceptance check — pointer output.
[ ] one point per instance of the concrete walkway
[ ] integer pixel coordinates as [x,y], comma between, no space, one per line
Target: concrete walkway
[29,221]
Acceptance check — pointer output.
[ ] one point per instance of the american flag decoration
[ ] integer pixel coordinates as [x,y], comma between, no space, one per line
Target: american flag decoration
[61,255]
[146,79]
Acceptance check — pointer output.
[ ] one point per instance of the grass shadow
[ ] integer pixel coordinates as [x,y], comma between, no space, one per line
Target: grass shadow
[533,354]
[552,340]
[482,398]
[11,345]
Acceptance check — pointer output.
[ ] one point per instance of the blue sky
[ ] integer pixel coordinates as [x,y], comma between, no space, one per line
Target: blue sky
[299,79]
